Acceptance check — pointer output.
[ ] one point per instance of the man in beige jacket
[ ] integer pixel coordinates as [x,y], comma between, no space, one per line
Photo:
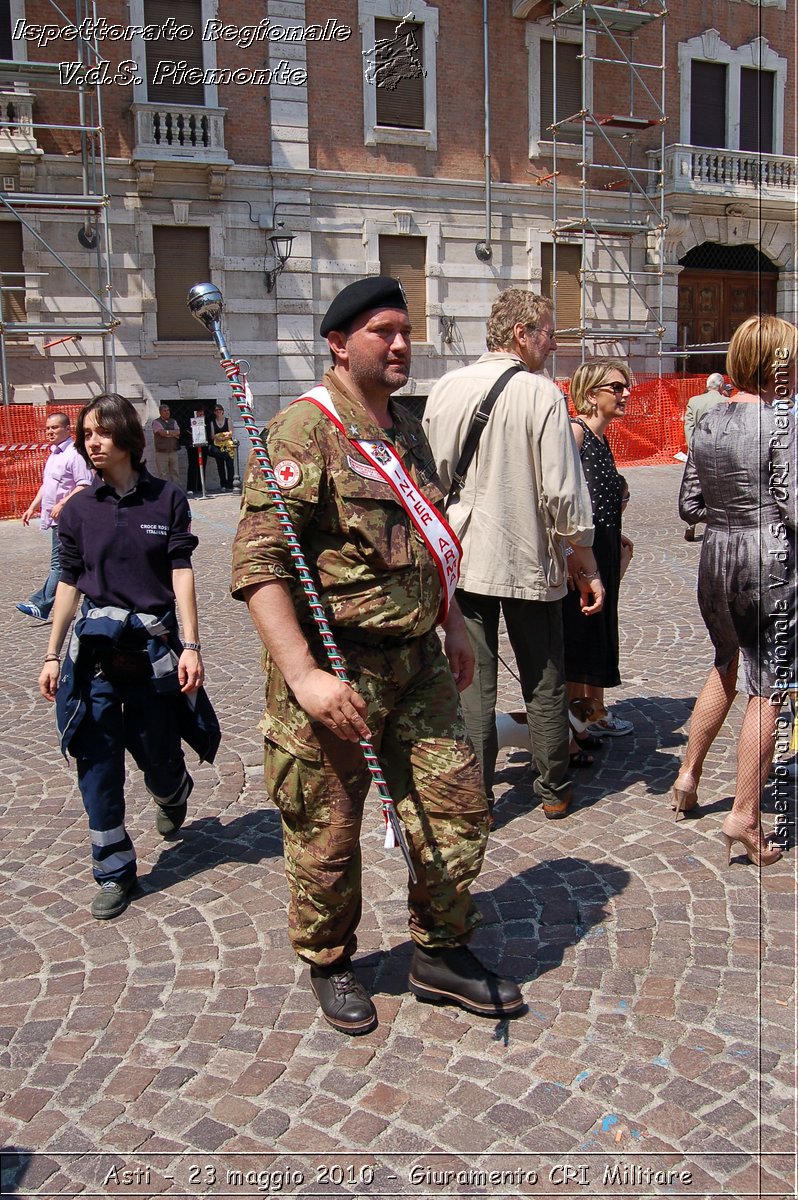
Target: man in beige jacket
[523,502]
[716,390]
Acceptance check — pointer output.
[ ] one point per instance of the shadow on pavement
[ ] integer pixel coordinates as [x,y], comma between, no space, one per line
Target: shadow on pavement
[207,843]
[542,911]
[643,756]
[15,1163]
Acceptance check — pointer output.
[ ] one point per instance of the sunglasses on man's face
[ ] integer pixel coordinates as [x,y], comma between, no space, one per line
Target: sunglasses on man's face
[618,388]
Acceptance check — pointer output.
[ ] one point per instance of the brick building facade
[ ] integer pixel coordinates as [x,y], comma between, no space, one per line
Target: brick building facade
[359,126]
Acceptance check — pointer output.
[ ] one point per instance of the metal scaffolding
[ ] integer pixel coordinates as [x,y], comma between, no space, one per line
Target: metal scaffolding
[22,81]
[613,236]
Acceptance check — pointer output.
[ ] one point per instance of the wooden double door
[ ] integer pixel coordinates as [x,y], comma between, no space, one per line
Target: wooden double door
[713,303]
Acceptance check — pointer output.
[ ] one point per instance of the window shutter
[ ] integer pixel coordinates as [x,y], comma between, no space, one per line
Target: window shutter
[569,289]
[707,104]
[400,79]
[11,262]
[569,88]
[181,258]
[6,44]
[183,12]
[406,259]
[756,110]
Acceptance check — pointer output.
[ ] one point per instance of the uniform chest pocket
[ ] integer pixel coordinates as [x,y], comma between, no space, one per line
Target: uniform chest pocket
[358,479]
[372,519]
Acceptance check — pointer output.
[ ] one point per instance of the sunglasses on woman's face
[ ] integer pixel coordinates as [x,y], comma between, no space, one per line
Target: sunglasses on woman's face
[618,388]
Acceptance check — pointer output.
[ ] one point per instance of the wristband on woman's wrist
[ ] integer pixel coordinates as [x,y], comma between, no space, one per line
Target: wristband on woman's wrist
[192,646]
[52,658]
[589,575]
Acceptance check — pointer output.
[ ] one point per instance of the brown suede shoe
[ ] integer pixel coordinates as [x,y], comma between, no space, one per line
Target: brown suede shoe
[559,808]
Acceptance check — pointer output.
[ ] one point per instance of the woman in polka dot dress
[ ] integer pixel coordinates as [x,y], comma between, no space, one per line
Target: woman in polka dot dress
[599,392]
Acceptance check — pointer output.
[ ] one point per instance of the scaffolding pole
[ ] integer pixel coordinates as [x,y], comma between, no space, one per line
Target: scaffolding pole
[610,235]
[92,202]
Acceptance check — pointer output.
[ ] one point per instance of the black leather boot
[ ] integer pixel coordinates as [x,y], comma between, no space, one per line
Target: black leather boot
[345,1003]
[453,975]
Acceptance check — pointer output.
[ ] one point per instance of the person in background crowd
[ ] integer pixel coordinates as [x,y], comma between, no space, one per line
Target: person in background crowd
[216,425]
[524,494]
[193,476]
[383,588]
[717,390]
[166,438]
[128,681]
[599,393]
[740,479]
[65,473]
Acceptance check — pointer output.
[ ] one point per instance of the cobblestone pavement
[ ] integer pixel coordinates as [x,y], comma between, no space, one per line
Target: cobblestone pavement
[178,1051]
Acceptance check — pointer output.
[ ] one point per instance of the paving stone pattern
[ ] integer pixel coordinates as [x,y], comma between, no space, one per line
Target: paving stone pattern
[177,1050]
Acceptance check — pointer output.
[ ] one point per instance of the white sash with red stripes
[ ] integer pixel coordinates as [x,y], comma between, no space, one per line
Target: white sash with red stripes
[439,539]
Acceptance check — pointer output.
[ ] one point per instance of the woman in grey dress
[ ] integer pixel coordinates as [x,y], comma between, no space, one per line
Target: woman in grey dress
[740,479]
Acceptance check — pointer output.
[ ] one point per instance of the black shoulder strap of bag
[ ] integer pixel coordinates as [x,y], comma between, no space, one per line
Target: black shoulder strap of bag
[475,433]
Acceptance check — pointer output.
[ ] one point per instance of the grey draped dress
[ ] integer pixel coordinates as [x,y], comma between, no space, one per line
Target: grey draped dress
[740,478]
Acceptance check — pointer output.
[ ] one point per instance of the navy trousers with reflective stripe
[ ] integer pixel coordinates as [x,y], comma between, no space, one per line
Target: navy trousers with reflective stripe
[119,717]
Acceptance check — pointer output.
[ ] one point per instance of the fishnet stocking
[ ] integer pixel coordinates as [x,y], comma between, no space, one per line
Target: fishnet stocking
[711,709]
[755,744]
[754,755]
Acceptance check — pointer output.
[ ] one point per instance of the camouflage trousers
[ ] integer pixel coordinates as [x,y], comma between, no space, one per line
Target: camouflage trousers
[320,783]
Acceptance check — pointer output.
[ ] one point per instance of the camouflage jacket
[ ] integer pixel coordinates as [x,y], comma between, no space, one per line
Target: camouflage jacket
[375,576]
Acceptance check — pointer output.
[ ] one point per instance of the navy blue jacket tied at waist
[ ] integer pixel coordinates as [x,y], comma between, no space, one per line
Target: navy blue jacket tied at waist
[117,629]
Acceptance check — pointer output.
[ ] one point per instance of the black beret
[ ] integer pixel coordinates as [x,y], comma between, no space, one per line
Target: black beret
[378,291]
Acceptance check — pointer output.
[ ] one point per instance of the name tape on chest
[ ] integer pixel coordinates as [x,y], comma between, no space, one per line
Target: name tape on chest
[363,469]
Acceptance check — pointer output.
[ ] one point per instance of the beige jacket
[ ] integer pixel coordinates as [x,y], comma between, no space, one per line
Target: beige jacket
[524,490]
[696,407]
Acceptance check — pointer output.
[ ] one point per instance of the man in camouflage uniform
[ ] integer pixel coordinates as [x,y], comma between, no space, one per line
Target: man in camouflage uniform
[381,591]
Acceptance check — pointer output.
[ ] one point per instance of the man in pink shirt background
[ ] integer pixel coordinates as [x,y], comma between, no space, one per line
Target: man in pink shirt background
[65,473]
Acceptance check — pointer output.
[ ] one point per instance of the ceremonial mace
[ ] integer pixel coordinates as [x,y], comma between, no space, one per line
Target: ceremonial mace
[206,304]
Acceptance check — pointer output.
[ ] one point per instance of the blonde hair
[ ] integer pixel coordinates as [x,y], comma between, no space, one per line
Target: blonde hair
[591,375]
[758,348]
[514,305]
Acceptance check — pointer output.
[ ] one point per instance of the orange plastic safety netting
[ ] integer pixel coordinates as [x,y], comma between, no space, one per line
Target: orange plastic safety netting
[652,430]
[23,452]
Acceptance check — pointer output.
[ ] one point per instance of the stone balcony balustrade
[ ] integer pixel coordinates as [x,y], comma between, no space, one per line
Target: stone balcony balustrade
[729,174]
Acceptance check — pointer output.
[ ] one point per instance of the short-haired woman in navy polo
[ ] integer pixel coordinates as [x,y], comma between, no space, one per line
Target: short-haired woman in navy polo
[128,681]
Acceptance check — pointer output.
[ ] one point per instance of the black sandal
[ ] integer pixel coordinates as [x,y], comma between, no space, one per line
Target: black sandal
[579,733]
[581,759]
[589,741]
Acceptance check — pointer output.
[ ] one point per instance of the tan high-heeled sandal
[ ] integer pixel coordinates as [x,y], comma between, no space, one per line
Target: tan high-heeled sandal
[684,800]
[733,831]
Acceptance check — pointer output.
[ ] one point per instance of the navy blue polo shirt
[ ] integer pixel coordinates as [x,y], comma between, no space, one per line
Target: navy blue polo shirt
[121,550]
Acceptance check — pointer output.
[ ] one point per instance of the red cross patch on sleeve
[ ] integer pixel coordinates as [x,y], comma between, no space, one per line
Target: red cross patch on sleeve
[288,474]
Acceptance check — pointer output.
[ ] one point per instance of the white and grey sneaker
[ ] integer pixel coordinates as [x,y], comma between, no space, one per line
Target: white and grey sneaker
[611,726]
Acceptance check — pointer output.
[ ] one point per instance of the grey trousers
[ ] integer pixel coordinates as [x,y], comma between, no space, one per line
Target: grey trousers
[534,628]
